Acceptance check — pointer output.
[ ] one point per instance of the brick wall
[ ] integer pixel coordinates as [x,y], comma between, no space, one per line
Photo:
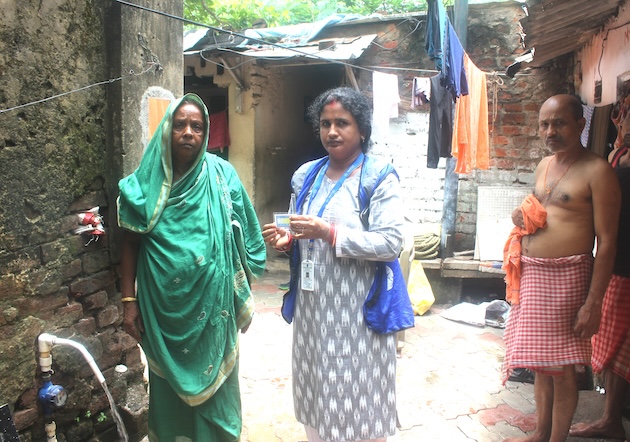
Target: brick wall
[493,43]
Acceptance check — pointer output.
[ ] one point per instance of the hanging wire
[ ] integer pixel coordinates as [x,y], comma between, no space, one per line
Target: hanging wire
[157,66]
[496,83]
[131,73]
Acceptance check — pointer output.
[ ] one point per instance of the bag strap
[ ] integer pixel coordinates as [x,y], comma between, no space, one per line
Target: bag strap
[365,192]
[309,179]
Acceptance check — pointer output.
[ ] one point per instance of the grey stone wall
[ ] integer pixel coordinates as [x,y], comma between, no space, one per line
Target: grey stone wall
[59,158]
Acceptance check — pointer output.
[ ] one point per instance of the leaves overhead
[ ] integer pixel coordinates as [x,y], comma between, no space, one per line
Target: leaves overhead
[237,15]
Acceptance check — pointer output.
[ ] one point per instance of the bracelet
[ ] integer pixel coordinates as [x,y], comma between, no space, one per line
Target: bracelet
[287,247]
[129,299]
[332,235]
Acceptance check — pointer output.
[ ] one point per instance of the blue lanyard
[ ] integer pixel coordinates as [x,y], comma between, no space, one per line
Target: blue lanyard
[320,179]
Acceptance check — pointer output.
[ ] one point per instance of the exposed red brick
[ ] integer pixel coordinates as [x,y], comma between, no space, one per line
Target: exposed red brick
[510,130]
[513,107]
[500,152]
[501,140]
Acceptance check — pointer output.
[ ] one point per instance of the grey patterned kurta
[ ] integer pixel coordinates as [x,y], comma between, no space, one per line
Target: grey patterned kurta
[343,374]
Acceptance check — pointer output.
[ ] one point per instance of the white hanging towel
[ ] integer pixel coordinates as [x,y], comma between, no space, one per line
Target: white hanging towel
[386,99]
[420,91]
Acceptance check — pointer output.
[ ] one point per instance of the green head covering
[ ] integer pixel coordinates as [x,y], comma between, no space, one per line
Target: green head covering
[144,193]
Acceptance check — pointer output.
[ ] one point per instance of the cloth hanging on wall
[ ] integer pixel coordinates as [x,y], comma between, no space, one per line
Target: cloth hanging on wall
[598,134]
[454,73]
[219,131]
[588,116]
[386,99]
[420,91]
[440,123]
[471,141]
[436,32]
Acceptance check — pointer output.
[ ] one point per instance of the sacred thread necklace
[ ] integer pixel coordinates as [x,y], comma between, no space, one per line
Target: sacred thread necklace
[548,190]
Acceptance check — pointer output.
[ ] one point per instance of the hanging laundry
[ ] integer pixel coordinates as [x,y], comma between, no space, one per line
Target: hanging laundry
[453,73]
[436,32]
[420,91]
[471,144]
[588,116]
[440,123]
[385,101]
[219,131]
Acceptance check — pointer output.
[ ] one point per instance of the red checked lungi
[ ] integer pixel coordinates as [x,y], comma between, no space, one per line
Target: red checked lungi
[611,344]
[539,331]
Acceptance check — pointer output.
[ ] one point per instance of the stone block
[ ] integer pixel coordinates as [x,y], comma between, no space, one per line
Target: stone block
[44,281]
[36,305]
[107,316]
[19,261]
[57,251]
[135,412]
[25,418]
[96,300]
[71,269]
[86,326]
[92,283]
[95,261]
[68,315]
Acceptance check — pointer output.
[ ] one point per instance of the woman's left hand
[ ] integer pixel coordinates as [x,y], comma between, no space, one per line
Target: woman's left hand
[309,227]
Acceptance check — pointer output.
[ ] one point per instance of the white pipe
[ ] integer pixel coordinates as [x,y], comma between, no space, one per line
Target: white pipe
[51,431]
[45,343]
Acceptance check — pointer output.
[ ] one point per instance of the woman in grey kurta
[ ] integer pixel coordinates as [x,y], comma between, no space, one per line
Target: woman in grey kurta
[343,373]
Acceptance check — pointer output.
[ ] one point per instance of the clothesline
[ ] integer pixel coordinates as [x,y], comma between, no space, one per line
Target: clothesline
[435,71]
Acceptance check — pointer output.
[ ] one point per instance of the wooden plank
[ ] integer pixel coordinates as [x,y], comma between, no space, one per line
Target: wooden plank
[467,274]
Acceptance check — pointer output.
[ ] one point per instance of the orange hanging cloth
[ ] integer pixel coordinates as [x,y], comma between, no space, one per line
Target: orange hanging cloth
[534,218]
[471,139]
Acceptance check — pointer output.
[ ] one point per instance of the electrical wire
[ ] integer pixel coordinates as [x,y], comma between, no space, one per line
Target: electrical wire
[268,43]
[157,66]
[131,73]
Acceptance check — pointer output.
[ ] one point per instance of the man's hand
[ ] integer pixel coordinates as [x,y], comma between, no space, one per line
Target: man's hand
[517,218]
[587,321]
[132,321]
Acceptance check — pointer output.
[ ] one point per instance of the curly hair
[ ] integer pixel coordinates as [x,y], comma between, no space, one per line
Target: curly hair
[353,101]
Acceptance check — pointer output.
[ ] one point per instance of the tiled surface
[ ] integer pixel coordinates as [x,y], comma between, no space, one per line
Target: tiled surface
[448,379]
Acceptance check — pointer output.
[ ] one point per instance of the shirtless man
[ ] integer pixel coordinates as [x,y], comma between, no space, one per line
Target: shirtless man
[562,286]
[611,344]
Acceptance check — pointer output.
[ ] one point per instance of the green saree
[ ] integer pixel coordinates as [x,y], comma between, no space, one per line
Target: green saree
[200,245]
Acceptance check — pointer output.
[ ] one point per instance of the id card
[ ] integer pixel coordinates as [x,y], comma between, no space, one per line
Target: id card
[308,279]
[282,220]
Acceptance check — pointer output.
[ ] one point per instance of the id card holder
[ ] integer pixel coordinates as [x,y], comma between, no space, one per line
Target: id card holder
[307,278]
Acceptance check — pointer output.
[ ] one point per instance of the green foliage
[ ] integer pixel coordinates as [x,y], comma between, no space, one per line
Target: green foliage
[237,15]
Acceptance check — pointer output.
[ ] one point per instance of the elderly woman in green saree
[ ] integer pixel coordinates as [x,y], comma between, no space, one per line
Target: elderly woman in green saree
[191,244]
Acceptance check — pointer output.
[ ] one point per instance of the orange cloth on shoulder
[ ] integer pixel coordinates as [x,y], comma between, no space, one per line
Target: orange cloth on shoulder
[534,218]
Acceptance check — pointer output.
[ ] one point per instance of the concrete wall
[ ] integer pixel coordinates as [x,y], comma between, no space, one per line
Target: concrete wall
[57,159]
[605,58]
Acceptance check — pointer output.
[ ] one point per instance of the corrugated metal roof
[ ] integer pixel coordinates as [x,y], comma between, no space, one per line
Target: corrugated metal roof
[338,49]
[559,27]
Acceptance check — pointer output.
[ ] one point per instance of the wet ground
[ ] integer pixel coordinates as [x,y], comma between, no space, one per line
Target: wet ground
[448,379]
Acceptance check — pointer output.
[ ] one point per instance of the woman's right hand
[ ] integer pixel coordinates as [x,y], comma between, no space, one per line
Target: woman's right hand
[275,237]
[132,320]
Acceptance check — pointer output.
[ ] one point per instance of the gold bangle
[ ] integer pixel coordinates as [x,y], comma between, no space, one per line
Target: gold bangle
[129,299]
